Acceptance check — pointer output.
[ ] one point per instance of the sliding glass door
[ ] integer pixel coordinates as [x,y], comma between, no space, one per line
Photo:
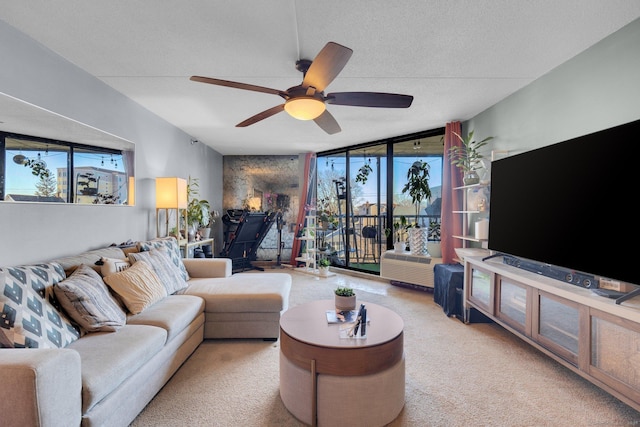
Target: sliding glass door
[359,197]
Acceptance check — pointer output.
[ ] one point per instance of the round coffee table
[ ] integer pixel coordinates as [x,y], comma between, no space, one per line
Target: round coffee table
[329,380]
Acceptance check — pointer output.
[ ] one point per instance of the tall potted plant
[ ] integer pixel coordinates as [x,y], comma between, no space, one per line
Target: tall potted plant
[418,188]
[198,211]
[467,157]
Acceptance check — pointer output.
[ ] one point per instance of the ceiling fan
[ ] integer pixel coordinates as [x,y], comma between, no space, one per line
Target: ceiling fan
[307,100]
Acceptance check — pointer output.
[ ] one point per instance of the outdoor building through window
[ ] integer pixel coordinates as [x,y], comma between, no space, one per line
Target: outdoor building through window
[42,170]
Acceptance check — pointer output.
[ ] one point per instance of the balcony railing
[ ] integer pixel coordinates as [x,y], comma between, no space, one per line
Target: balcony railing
[360,237]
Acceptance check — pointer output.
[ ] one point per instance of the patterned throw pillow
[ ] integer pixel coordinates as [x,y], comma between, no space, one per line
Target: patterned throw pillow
[169,274]
[138,286]
[87,300]
[173,249]
[30,315]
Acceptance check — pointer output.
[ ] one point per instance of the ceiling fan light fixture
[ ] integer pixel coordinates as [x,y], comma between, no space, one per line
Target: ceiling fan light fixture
[304,107]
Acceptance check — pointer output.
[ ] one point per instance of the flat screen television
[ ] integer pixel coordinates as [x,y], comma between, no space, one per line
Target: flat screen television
[571,204]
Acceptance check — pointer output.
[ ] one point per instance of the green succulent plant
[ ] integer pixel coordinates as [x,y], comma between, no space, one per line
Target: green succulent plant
[343,291]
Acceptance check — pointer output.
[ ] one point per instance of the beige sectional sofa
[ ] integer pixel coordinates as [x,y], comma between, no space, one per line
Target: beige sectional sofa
[66,376]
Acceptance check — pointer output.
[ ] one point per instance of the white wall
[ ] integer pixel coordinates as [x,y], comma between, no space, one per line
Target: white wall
[38,232]
[597,89]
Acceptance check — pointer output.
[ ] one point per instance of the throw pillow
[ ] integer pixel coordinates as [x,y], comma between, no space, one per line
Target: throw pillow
[30,314]
[138,286]
[87,300]
[113,265]
[167,271]
[173,249]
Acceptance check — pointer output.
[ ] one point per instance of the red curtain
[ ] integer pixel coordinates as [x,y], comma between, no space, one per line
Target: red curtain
[307,200]
[451,200]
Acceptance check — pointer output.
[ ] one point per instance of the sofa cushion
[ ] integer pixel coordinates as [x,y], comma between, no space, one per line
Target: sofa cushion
[30,314]
[173,249]
[113,265]
[169,273]
[138,286]
[87,300]
[108,359]
[172,314]
[243,292]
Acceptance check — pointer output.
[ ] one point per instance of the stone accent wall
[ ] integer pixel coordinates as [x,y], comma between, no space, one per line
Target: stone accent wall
[274,181]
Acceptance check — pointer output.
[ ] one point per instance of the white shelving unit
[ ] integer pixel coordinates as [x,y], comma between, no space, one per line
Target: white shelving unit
[309,239]
[467,212]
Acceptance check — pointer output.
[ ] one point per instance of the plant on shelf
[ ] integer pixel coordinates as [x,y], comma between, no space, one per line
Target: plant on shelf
[324,262]
[198,211]
[467,157]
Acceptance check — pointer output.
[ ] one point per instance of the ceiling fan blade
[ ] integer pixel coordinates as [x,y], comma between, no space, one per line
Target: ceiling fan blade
[237,85]
[370,99]
[326,66]
[261,116]
[328,123]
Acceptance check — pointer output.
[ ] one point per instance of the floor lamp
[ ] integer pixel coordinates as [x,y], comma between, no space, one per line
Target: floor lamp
[171,195]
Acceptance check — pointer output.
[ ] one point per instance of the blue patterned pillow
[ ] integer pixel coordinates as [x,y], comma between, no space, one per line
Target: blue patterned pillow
[173,250]
[30,315]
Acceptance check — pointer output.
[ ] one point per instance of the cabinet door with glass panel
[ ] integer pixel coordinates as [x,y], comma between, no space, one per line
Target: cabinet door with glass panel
[556,325]
[614,357]
[513,304]
[481,289]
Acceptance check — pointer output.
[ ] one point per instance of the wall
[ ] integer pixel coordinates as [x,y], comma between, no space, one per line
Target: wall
[595,90]
[38,232]
[265,176]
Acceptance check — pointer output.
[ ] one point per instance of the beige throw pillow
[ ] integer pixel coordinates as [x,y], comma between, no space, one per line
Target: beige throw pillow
[138,286]
[167,271]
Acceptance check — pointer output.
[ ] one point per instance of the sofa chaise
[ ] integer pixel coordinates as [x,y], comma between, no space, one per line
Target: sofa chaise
[92,344]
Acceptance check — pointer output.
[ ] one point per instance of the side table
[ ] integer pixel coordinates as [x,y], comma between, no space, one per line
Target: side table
[195,244]
[326,380]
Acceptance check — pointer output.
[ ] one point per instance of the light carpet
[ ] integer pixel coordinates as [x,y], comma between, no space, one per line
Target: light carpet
[456,375]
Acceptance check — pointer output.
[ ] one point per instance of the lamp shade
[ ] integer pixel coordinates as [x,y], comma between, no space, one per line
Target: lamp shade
[171,193]
[304,107]
[131,191]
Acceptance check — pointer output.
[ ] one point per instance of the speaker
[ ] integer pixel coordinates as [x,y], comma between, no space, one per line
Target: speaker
[559,273]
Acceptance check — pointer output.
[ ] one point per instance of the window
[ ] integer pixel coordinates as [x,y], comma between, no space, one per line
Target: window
[353,217]
[42,170]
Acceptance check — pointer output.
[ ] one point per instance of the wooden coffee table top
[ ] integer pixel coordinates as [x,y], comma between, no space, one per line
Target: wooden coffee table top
[308,323]
[309,341]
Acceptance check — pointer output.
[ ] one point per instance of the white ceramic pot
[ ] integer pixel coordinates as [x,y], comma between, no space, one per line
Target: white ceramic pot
[434,249]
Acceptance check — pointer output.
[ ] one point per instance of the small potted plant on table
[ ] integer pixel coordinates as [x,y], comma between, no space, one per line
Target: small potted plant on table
[345,299]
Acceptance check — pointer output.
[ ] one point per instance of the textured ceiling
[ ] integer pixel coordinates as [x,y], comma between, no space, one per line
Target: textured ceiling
[455,57]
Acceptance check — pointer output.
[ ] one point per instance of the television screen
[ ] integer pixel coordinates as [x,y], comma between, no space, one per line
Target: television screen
[570,204]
